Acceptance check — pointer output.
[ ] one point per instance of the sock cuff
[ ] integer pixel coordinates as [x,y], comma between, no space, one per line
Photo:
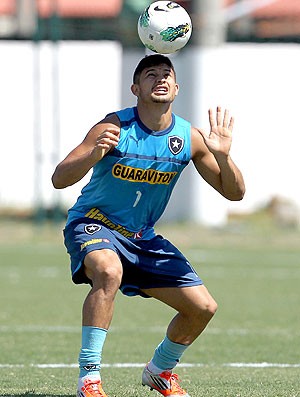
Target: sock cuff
[175,344]
[168,354]
[91,327]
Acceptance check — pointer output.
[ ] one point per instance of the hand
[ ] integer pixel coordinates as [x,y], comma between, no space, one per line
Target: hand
[106,141]
[218,141]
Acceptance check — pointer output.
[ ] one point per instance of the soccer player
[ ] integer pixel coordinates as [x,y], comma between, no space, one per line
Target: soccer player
[137,155]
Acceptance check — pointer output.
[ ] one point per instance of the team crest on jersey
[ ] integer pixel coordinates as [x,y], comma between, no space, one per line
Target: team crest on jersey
[175,144]
[92,229]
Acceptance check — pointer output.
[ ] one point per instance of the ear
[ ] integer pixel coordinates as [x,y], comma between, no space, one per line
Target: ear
[135,89]
[176,89]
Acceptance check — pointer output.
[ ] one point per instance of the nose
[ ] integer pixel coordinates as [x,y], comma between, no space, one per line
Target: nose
[161,78]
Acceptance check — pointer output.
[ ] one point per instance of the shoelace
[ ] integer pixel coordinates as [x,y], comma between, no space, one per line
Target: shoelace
[94,387]
[173,379]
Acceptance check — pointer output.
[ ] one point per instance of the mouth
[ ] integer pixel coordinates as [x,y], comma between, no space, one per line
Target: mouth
[160,90]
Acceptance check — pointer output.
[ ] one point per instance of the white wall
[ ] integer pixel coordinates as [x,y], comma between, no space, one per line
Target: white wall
[258,83]
[33,140]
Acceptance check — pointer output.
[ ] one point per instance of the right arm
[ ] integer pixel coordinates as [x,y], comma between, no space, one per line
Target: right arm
[102,138]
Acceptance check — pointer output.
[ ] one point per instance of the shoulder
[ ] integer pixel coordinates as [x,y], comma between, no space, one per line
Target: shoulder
[181,121]
[111,118]
[115,118]
[181,127]
[124,114]
[110,121]
[198,146]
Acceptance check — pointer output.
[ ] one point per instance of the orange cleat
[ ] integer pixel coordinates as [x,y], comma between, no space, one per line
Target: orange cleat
[89,387]
[165,383]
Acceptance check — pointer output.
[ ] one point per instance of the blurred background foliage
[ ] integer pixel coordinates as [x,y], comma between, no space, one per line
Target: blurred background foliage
[253,21]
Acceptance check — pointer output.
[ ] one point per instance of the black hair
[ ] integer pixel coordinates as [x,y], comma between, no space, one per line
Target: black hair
[151,60]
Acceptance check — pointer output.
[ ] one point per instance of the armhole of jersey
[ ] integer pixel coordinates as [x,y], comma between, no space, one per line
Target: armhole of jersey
[120,121]
[118,117]
[190,145]
[107,115]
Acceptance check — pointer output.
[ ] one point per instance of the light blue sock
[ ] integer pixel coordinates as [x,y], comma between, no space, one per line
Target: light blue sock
[167,354]
[93,339]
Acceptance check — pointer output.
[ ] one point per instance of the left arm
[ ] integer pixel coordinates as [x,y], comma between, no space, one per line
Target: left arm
[210,155]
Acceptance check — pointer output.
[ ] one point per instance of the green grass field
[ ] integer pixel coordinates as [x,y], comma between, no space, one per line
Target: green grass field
[251,348]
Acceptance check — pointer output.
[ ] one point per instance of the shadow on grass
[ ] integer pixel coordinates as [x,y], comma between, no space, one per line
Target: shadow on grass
[33,394]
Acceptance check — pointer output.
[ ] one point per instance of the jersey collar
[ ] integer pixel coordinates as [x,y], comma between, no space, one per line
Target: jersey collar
[148,130]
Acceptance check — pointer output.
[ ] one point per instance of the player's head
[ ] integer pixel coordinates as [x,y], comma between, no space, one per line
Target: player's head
[149,61]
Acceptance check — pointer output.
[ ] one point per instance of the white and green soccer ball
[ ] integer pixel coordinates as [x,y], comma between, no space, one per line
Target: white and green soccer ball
[164,27]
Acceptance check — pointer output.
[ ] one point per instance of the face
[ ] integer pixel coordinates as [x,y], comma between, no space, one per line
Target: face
[157,84]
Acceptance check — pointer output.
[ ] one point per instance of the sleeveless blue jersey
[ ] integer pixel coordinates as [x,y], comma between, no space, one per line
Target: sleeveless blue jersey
[131,186]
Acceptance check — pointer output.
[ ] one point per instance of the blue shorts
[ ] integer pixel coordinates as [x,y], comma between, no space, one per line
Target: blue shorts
[154,263]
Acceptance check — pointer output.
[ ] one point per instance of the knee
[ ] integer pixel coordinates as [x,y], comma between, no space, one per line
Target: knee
[207,309]
[104,269]
[211,308]
[108,275]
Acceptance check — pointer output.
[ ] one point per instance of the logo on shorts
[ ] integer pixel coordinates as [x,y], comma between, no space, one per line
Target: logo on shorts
[93,241]
[92,229]
[175,144]
[138,234]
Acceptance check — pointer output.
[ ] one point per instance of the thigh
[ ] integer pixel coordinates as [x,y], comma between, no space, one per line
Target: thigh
[104,263]
[82,238]
[184,300]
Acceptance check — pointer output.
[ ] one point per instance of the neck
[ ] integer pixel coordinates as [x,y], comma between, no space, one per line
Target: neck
[157,118]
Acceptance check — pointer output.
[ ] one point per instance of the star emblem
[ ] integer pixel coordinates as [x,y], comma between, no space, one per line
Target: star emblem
[175,144]
[91,229]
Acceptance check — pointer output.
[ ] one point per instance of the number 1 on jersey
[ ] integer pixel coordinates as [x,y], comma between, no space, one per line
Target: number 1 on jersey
[138,197]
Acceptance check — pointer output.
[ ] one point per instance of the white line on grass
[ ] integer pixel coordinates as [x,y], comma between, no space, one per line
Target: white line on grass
[141,365]
[154,329]
[261,365]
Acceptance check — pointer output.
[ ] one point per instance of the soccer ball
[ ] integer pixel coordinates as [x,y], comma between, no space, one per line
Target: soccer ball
[164,27]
